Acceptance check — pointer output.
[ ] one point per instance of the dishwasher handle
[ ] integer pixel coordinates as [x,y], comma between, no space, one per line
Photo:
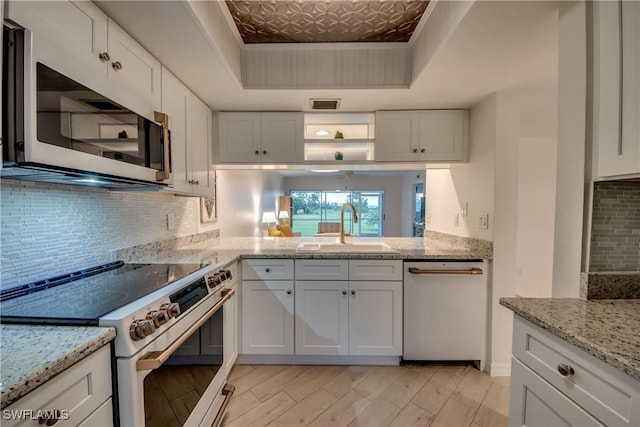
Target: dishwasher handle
[414,270]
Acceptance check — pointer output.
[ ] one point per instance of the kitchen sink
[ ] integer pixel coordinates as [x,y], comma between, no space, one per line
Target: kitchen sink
[350,247]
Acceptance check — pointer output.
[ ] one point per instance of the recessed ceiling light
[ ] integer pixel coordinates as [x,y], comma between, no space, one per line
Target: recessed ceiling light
[91,181]
[324,170]
[322,132]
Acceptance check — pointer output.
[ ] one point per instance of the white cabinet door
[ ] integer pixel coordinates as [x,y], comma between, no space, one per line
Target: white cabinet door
[617,87]
[375,318]
[199,143]
[134,73]
[535,403]
[442,135]
[176,104]
[190,126]
[239,137]
[267,317]
[322,317]
[103,416]
[73,35]
[397,136]
[282,136]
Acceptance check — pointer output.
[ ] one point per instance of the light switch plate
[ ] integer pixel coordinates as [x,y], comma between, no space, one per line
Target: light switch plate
[483,221]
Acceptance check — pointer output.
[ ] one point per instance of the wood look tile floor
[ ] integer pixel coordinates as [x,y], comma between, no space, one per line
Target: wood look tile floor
[434,395]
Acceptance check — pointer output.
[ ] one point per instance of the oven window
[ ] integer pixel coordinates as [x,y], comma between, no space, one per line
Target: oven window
[172,391]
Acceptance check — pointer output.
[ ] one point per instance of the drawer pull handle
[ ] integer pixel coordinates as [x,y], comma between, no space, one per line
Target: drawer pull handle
[51,418]
[414,270]
[565,370]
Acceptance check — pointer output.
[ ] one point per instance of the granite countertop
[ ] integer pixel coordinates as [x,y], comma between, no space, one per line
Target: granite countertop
[606,329]
[223,250]
[31,355]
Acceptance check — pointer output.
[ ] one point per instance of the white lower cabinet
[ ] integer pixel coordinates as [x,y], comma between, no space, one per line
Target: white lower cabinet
[338,316]
[267,306]
[375,318]
[554,383]
[322,317]
[82,394]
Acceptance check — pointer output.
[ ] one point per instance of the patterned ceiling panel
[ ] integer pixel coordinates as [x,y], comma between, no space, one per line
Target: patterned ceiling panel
[313,21]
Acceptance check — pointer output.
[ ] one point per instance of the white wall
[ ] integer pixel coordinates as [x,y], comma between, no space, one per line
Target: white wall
[396,211]
[536,191]
[448,189]
[570,187]
[243,195]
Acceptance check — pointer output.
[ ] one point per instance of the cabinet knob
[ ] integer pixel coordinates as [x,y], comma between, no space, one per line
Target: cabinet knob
[353,292]
[264,151]
[415,150]
[289,292]
[196,182]
[268,270]
[117,65]
[422,150]
[257,152]
[50,418]
[104,57]
[565,370]
[344,292]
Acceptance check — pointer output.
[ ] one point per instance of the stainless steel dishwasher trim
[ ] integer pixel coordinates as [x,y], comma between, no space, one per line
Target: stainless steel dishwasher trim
[414,270]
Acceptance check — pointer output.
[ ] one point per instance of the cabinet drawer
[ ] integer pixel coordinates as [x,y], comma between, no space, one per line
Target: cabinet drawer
[605,392]
[322,269]
[375,269]
[77,392]
[534,402]
[267,269]
[103,416]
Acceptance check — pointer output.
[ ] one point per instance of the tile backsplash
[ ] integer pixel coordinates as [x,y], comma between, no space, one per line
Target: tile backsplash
[615,228]
[48,229]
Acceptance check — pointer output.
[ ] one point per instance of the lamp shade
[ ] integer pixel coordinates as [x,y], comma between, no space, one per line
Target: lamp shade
[268,217]
[283,214]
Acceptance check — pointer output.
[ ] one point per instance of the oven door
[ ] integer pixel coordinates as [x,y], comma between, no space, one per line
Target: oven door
[180,378]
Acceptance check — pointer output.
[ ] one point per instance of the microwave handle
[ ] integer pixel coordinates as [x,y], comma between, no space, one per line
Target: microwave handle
[166,170]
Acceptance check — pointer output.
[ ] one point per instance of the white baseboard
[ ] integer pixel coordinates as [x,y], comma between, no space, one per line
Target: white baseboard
[500,369]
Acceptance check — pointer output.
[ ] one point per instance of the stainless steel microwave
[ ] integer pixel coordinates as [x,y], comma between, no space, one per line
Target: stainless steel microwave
[58,130]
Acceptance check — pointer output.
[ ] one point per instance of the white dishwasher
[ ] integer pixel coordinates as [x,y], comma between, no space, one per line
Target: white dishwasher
[445,310]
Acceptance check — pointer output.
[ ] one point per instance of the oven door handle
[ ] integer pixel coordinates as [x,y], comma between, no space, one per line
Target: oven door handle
[155,359]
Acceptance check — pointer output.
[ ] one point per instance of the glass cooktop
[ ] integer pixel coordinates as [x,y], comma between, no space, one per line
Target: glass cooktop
[84,301]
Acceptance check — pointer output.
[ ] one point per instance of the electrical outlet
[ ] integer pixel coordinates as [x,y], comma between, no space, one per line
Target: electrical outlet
[456,219]
[171,221]
[483,221]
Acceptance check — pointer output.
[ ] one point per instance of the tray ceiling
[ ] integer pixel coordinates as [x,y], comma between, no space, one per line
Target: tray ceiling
[318,21]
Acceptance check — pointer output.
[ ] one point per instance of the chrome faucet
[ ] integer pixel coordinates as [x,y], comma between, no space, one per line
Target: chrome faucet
[355,218]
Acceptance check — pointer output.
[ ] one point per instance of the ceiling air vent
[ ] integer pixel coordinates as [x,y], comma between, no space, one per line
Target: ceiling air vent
[325,104]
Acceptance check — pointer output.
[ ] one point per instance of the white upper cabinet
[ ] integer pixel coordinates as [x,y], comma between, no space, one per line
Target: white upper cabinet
[77,39]
[617,88]
[246,137]
[190,125]
[75,32]
[282,137]
[422,136]
[239,138]
[133,70]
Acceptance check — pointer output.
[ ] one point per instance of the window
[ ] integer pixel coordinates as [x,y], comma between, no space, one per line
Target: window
[312,207]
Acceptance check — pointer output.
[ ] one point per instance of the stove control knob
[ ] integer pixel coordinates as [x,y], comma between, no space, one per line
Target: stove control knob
[140,329]
[172,309]
[226,274]
[214,280]
[158,317]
